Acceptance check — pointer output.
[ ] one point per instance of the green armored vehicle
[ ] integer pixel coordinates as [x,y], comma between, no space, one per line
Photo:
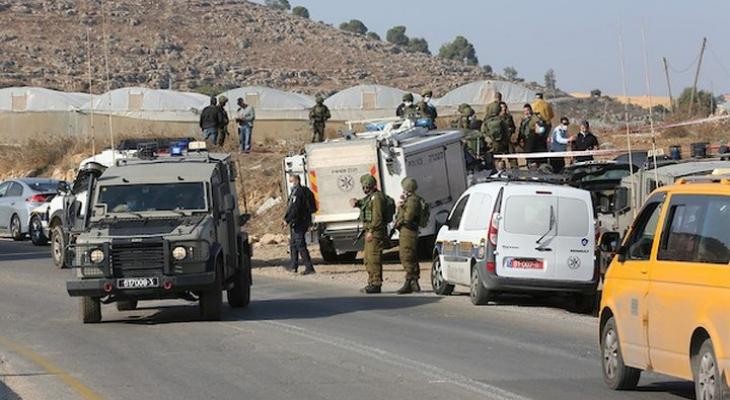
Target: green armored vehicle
[164,227]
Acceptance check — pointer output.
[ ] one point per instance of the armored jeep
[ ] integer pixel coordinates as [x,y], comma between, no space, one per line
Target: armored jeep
[163,227]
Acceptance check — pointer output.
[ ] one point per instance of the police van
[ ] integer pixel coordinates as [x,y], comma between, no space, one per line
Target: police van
[508,236]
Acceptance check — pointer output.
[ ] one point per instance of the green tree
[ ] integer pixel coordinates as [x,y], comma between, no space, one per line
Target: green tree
[510,73]
[418,45]
[278,4]
[354,26]
[300,12]
[488,69]
[704,103]
[550,80]
[374,36]
[459,50]
[397,35]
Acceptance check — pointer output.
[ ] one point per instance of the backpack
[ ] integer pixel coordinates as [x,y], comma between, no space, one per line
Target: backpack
[310,200]
[390,209]
[425,214]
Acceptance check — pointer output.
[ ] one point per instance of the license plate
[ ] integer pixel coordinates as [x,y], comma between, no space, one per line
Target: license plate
[525,263]
[138,283]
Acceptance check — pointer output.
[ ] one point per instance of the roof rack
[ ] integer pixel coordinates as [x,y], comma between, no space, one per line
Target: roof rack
[522,176]
[723,179]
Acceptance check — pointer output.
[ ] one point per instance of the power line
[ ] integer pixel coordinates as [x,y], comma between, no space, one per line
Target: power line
[683,70]
[717,58]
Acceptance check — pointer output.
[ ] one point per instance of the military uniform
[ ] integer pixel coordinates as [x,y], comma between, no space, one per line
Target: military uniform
[426,109]
[318,116]
[407,109]
[407,222]
[493,109]
[465,118]
[224,120]
[372,212]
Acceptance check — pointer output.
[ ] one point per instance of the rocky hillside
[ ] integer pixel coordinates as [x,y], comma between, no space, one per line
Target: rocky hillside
[201,44]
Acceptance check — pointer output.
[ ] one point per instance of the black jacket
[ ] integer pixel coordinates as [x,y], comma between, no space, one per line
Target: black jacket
[210,117]
[297,211]
[583,143]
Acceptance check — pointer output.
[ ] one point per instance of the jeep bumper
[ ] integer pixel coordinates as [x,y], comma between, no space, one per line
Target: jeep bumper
[99,287]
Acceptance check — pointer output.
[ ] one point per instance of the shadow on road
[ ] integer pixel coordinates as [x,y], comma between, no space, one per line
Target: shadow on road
[6,393]
[558,300]
[682,389]
[278,309]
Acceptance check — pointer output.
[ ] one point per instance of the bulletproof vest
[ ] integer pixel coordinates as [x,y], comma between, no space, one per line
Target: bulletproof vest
[319,113]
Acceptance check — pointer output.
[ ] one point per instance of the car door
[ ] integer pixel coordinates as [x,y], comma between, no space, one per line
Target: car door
[472,234]
[527,230]
[631,275]
[4,206]
[13,200]
[574,243]
[687,280]
[449,237]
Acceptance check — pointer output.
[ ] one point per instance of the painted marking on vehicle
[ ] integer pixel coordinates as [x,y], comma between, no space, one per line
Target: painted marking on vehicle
[432,372]
[51,368]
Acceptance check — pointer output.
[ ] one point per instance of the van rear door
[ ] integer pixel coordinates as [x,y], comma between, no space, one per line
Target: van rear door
[527,228]
[574,245]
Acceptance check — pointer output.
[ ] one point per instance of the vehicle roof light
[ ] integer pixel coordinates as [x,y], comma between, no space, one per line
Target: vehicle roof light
[199,145]
[176,151]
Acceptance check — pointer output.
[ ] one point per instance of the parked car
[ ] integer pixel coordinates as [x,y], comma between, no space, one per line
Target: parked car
[666,294]
[18,198]
[523,237]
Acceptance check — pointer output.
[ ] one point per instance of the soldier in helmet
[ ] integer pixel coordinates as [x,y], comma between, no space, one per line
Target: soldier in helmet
[493,108]
[372,216]
[222,120]
[407,109]
[318,116]
[465,118]
[407,222]
[426,109]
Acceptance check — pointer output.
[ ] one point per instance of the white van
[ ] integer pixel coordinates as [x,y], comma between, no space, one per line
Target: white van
[518,237]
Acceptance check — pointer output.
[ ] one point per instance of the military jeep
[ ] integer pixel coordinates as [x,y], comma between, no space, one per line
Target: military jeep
[160,228]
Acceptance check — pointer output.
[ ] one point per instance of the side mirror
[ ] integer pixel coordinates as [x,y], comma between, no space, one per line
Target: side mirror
[609,242]
[63,188]
[621,254]
[243,219]
[621,200]
[229,202]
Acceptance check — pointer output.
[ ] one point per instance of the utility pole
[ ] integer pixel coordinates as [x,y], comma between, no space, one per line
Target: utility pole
[669,85]
[697,76]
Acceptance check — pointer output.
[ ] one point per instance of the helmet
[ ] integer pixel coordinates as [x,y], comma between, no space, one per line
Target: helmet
[409,184]
[367,180]
[408,97]
[427,93]
[222,99]
[319,99]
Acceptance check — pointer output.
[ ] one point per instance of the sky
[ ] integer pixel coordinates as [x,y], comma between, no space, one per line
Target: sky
[578,39]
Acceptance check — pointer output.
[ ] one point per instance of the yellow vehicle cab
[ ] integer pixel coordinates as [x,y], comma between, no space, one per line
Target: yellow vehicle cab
[666,297]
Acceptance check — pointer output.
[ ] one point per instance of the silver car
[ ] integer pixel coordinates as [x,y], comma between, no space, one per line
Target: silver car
[18,198]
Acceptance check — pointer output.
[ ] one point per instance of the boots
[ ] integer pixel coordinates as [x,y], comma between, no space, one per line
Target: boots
[415,287]
[370,289]
[406,288]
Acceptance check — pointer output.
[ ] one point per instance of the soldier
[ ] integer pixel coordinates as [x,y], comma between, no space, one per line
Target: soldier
[509,129]
[466,117]
[426,109]
[318,117]
[544,109]
[222,120]
[533,135]
[493,108]
[372,211]
[407,220]
[495,129]
[407,109]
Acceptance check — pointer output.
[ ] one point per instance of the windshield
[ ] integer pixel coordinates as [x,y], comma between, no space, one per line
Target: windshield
[44,186]
[153,197]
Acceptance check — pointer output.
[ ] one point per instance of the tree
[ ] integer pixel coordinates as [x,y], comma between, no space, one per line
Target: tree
[300,11]
[550,81]
[418,45]
[397,35]
[354,26]
[704,102]
[278,4]
[373,36]
[488,69]
[510,73]
[459,50]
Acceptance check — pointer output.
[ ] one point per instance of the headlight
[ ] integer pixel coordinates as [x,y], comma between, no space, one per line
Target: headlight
[96,256]
[179,253]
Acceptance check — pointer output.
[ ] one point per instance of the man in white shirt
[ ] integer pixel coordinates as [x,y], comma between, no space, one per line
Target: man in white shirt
[558,142]
[245,117]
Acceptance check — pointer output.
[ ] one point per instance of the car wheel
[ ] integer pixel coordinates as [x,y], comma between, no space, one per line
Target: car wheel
[615,373]
[438,283]
[15,229]
[90,310]
[479,294]
[240,294]
[709,383]
[36,231]
[211,300]
[127,305]
[58,247]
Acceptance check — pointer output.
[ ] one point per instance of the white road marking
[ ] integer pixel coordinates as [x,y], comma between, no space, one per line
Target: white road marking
[433,373]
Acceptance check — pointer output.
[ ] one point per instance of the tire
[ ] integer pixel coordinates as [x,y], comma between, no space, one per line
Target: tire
[616,374]
[36,231]
[479,295]
[90,308]
[239,296]
[127,305]
[347,257]
[584,303]
[58,247]
[211,300]
[329,255]
[16,231]
[425,247]
[709,384]
[438,284]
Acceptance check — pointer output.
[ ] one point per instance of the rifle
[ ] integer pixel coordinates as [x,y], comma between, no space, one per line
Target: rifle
[360,233]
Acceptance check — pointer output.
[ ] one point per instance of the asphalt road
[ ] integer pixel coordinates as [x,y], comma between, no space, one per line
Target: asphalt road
[298,340]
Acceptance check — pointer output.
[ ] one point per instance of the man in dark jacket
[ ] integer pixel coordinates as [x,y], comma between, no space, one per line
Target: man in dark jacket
[222,120]
[209,120]
[585,140]
[299,218]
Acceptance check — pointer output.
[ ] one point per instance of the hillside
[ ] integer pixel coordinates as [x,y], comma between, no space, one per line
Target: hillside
[204,44]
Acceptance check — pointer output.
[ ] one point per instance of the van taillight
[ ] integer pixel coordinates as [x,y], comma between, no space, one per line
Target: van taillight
[491,266]
[493,230]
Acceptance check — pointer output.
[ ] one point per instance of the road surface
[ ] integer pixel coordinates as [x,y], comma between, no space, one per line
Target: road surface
[298,340]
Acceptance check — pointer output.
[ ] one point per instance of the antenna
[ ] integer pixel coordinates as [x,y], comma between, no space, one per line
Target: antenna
[108,78]
[634,206]
[92,129]
[651,106]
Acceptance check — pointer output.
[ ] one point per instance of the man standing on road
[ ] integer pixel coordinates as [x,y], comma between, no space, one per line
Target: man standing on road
[372,212]
[585,141]
[407,221]
[318,116]
[544,109]
[245,117]
[209,121]
[299,218]
[222,120]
